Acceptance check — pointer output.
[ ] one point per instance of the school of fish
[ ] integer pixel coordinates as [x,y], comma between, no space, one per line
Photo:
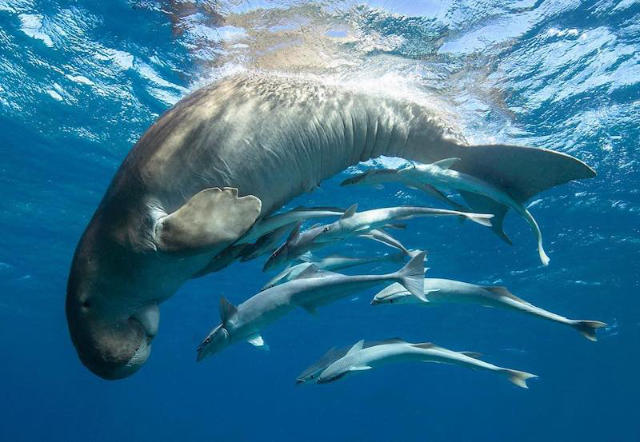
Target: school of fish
[309,281]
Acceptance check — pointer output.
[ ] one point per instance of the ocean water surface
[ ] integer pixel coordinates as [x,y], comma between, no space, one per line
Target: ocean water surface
[80,81]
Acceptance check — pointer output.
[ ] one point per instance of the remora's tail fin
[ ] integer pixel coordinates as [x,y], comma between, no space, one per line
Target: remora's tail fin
[411,276]
[588,328]
[484,219]
[518,378]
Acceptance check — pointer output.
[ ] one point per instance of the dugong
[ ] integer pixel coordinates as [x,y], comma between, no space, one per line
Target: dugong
[223,158]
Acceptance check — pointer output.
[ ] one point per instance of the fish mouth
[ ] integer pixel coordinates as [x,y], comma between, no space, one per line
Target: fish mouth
[214,342]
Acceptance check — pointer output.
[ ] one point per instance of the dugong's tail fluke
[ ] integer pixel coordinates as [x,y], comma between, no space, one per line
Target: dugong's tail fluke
[518,378]
[588,328]
[521,172]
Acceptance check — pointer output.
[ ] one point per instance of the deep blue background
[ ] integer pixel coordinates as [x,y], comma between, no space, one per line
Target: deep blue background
[568,79]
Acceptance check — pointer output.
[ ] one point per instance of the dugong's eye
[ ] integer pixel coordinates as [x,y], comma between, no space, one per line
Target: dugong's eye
[86,304]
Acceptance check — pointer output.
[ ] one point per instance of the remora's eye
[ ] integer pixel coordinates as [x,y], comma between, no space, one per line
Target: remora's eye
[326,229]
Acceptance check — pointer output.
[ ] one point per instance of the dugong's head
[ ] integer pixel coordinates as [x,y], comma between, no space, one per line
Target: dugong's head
[109,326]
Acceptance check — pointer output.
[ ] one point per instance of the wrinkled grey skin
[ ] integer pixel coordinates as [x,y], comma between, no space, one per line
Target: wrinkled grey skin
[244,133]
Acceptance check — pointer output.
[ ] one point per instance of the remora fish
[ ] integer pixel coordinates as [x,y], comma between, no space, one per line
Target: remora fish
[267,243]
[313,371]
[227,156]
[356,223]
[245,322]
[442,291]
[331,262]
[383,237]
[378,177]
[291,217]
[440,174]
[359,358]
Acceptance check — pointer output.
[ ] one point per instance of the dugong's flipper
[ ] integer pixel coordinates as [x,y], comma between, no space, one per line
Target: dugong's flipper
[211,218]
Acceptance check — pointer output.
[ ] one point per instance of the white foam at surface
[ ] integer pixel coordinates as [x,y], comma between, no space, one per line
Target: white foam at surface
[31,25]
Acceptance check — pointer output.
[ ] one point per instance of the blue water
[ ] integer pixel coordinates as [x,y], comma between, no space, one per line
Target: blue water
[81,81]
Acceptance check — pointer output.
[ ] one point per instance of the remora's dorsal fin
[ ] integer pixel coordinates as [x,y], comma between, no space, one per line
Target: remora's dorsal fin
[350,211]
[471,354]
[310,272]
[386,341]
[390,290]
[503,291]
[446,163]
[295,232]
[227,310]
[425,345]
[356,347]
[318,209]
[482,204]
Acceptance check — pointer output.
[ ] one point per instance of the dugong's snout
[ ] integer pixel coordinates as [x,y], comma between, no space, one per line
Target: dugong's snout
[111,346]
[111,350]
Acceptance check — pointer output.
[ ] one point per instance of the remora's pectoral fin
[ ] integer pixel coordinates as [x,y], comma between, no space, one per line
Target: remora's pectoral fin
[430,190]
[359,368]
[212,217]
[257,341]
[309,308]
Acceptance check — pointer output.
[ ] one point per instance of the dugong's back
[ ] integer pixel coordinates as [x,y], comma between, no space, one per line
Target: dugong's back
[273,138]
